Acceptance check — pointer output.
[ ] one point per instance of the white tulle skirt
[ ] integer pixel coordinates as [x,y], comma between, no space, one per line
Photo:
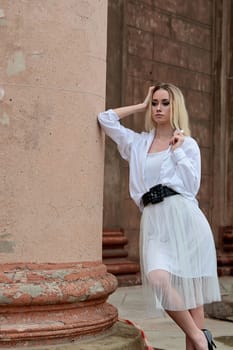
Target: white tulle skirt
[178,257]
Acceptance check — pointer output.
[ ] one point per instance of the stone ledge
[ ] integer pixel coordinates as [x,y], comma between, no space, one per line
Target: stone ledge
[120,337]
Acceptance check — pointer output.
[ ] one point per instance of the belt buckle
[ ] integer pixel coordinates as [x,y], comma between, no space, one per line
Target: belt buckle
[157,194]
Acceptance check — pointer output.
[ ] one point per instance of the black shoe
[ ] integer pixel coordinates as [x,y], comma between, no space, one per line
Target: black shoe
[209,339]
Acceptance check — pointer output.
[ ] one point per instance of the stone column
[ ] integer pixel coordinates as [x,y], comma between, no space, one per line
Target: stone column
[52,84]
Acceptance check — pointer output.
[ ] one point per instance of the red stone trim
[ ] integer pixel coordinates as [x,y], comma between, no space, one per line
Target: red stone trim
[44,303]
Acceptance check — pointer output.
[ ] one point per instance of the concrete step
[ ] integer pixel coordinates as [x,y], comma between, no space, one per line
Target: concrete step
[225,264]
[120,267]
[114,253]
[225,260]
[115,257]
[133,279]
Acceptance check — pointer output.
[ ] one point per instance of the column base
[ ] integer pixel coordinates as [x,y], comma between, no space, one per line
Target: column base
[120,336]
[53,303]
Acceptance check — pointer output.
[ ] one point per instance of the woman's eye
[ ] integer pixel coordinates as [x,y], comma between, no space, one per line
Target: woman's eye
[164,103]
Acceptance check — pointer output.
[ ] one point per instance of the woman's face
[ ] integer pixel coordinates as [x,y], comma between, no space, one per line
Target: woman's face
[161,107]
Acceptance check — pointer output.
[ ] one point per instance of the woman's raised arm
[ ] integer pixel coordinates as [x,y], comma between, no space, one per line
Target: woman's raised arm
[140,107]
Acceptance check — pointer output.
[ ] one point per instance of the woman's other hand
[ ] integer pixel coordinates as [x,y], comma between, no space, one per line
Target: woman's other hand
[177,139]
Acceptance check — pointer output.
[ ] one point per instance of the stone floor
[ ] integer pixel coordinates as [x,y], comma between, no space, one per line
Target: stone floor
[162,333]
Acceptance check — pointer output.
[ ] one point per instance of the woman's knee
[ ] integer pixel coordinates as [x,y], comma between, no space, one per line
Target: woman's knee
[159,279]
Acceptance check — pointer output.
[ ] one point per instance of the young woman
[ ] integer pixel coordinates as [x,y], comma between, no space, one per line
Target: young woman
[178,259]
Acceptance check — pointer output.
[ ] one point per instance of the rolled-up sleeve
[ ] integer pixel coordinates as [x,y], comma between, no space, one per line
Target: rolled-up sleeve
[188,165]
[121,135]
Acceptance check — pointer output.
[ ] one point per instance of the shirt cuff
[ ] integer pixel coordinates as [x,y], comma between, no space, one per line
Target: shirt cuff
[178,154]
[108,117]
[113,115]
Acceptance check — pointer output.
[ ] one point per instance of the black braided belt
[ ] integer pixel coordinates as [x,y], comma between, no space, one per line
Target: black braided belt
[157,194]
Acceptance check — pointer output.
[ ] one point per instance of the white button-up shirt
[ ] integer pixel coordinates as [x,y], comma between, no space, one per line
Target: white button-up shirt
[180,169]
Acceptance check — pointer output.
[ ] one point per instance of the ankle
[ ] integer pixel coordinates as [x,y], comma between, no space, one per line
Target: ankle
[199,340]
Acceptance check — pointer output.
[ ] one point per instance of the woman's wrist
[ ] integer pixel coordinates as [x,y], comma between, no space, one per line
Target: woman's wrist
[128,110]
[142,106]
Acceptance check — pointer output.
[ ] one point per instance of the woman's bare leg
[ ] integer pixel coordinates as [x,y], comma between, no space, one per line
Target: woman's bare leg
[188,344]
[184,319]
[198,317]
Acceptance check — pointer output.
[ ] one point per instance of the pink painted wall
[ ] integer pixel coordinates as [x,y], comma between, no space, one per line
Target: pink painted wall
[52,76]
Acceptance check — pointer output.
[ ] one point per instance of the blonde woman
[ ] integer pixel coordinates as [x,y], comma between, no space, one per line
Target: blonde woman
[178,259]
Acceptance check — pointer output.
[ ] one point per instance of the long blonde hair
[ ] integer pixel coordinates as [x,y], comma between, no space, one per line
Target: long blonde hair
[178,113]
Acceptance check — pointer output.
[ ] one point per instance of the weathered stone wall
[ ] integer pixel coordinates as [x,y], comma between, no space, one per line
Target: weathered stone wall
[162,41]
[52,75]
[227,146]
[222,106]
[230,126]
